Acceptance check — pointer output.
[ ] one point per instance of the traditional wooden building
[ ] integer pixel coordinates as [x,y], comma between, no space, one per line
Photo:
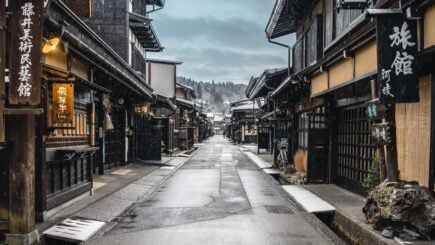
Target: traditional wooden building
[97,106]
[186,117]
[243,128]
[339,59]
[273,117]
[161,76]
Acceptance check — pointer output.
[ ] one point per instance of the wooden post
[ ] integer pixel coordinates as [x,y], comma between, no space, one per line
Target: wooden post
[432,137]
[391,150]
[4,206]
[20,123]
[20,157]
[2,68]
[21,168]
[380,150]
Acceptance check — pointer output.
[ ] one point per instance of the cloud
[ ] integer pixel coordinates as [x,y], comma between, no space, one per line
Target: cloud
[222,41]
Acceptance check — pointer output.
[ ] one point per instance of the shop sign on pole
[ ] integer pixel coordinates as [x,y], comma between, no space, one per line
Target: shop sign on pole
[397,59]
[380,134]
[26,38]
[375,110]
[63,102]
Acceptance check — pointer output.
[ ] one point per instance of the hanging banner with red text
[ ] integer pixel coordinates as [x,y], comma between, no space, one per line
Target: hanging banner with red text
[25,61]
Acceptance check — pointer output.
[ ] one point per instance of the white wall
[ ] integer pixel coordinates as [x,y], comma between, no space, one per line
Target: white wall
[162,78]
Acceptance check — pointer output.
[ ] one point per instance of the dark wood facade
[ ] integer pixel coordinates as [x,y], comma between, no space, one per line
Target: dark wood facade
[339,70]
[111,118]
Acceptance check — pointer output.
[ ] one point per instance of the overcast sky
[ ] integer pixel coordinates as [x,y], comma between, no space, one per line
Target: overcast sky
[222,40]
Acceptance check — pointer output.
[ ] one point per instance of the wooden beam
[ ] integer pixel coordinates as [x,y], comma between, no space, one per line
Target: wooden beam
[23,111]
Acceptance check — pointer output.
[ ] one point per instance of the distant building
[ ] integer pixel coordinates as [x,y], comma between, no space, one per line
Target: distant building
[242,128]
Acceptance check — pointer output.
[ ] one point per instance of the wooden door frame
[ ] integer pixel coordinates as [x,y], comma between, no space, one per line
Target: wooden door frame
[432,136]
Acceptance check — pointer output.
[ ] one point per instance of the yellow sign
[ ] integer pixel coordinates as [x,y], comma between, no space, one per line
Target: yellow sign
[63,102]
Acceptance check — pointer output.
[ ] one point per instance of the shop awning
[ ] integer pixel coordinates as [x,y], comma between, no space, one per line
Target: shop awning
[159,3]
[283,86]
[164,102]
[144,31]
[267,82]
[286,16]
[245,107]
[267,115]
[186,103]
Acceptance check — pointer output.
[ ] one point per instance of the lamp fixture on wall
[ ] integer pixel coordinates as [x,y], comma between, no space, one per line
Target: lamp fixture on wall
[50,45]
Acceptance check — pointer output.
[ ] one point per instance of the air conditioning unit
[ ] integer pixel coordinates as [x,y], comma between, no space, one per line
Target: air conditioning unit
[353,4]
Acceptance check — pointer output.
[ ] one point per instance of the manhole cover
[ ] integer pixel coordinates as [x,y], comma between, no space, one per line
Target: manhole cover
[74,229]
[278,210]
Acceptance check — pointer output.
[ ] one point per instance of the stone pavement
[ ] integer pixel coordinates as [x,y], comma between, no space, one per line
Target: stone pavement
[115,192]
[217,197]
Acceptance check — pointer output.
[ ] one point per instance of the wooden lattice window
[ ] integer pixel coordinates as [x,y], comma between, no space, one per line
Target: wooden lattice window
[355,151]
[303,127]
[77,133]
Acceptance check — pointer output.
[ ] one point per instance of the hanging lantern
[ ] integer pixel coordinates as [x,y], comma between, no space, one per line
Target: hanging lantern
[108,124]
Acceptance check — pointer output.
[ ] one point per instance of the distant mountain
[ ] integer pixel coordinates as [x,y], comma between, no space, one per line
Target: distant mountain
[217,94]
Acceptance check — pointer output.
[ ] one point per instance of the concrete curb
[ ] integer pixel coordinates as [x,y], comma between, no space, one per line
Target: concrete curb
[310,218]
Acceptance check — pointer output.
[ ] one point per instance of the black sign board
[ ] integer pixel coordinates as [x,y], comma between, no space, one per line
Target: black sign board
[397,59]
[26,38]
[375,110]
[380,134]
[352,4]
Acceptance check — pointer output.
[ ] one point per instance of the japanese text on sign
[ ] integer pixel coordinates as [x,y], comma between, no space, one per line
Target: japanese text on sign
[26,40]
[25,48]
[380,134]
[397,50]
[63,102]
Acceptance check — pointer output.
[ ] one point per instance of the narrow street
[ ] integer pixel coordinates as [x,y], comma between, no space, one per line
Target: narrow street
[217,197]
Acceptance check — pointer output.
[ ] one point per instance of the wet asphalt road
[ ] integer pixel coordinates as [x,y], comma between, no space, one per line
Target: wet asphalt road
[217,197]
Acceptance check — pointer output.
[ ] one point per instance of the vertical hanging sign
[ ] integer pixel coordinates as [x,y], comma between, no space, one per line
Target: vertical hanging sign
[26,38]
[63,102]
[397,59]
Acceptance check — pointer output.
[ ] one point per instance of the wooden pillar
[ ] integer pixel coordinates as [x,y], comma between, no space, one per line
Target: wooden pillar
[21,177]
[4,207]
[333,138]
[380,150]
[432,137]
[2,68]
[20,122]
[20,131]
[391,149]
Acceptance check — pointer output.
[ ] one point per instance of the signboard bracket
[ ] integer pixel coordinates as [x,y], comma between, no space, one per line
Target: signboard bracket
[377,12]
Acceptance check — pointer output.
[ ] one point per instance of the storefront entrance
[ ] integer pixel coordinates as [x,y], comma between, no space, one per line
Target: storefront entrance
[114,154]
[355,153]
